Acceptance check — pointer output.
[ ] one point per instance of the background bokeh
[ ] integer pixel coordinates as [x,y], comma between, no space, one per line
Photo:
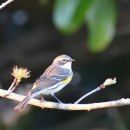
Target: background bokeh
[29,38]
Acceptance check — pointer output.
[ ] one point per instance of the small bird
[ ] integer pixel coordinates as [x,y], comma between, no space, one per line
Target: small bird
[53,79]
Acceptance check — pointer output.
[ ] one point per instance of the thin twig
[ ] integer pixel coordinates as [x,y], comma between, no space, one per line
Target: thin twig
[107,82]
[10,88]
[5,3]
[52,105]
[86,95]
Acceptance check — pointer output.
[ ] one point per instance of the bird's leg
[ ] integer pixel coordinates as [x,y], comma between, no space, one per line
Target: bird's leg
[56,97]
[42,100]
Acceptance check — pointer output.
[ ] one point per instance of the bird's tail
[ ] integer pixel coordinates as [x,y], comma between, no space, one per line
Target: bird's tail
[23,103]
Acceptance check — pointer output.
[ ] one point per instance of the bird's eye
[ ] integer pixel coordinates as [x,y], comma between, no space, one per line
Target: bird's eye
[64,60]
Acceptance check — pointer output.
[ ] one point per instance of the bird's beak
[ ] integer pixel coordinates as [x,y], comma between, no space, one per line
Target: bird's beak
[72,60]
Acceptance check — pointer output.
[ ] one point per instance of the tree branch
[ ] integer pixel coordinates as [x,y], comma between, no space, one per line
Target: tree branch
[5,3]
[52,105]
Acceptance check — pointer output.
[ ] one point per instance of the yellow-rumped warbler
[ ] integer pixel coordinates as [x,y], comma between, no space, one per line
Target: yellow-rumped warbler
[54,78]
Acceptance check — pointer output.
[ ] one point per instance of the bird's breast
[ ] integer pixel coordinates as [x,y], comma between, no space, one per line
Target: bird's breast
[67,80]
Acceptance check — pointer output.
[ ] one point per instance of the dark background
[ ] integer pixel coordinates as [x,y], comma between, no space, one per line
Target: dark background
[28,38]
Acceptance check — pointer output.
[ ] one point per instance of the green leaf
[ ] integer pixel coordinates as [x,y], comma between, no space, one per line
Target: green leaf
[101,24]
[68,15]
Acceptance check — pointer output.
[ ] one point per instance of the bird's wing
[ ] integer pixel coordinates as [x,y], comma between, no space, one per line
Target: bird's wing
[50,77]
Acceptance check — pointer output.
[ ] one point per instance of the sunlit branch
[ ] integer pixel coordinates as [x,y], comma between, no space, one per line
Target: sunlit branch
[52,105]
[5,3]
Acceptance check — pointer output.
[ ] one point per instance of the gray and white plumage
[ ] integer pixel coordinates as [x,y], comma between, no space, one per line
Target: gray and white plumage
[53,75]
[50,81]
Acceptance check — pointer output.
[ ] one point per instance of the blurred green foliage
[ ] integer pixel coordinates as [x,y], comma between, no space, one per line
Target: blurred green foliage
[69,14]
[99,15]
[2,126]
